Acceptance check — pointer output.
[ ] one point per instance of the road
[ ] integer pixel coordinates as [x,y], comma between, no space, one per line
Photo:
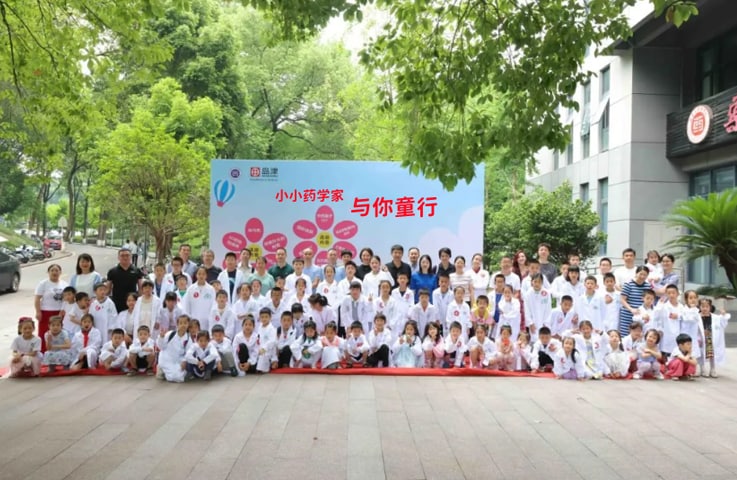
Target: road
[16,305]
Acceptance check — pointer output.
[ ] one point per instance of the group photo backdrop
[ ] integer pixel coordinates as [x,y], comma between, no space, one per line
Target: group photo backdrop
[295,204]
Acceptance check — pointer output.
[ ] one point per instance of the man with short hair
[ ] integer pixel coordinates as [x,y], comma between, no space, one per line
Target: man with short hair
[123,279]
[397,266]
[188,266]
[548,269]
[627,272]
[208,261]
[414,259]
[281,268]
[346,256]
[312,271]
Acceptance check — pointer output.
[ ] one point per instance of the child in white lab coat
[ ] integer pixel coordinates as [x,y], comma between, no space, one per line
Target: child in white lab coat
[173,345]
[114,354]
[592,349]
[714,345]
[509,312]
[455,347]
[222,314]
[379,341]
[104,312]
[568,362]
[332,347]
[307,348]
[266,341]
[142,354]
[617,360]
[226,363]
[482,351]
[201,357]
[86,344]
[356,346]
[246,346]
[286,335]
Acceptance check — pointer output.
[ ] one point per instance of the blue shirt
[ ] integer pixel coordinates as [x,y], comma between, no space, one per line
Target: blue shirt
[313,272]
[423,280]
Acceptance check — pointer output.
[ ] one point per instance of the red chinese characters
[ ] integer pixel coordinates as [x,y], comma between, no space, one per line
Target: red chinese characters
[309,195]
[400,207]
[731,125]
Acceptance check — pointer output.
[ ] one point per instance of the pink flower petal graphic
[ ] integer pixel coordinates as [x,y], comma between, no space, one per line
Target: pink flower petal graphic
[345,230]
[304,229]
[340,246]
[254,230]
[234,242]
[270,259]
[299,248]
[275,241]
[324,217]
[321,258]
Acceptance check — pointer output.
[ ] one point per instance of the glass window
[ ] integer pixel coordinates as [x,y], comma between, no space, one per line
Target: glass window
[586,95]
[569,154]
[556,160]
[604,79]
[717,62]
[701,184]
[586,145]
[603,210]
[584,192]
[723,179]
[604,130]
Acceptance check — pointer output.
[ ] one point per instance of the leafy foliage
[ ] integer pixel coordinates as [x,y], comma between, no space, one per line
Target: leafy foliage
[552,217]
[154,169]
[12,180]
[708,229]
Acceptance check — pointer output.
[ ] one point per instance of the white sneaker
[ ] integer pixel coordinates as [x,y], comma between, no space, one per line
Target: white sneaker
[713,373]
[241,373]
[636,376]
[658,375]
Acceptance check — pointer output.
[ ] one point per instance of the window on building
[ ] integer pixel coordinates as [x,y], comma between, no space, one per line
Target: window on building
[586,95]
[604,82]
[586,145]
[584,192]
[706,270]
[569,154]
[717,62]
[604,129]
[603,208]
[556,160]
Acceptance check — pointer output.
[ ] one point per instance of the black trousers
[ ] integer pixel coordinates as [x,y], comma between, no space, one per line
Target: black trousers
[285,356]
[380,355]
[243,357]
[544,359]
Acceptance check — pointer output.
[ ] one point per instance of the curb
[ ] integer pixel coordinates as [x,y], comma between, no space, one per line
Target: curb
[62,254]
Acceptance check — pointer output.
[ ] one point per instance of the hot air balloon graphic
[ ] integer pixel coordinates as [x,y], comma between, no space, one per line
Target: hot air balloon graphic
[223,191]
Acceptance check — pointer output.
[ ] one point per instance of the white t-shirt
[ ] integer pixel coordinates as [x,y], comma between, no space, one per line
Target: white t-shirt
[510,279]
[86,283]
[624,275]
[51,294]
[21,345]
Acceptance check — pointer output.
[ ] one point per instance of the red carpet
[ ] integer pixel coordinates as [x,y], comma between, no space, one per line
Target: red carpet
[68,373]
[414,372]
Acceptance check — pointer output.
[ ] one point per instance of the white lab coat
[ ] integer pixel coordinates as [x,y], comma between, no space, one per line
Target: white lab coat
[226,318]
[119,354]
[105,315]
[198,302]
[168,318]
[155,308]
[600,348]
[563,363]
[424,316]
[138,349]
[364,312]
[561,322]
[487,349]
[407,354]
[94,344]
[550,349]
[509,314]
[538,307]
[592,309]
[224,280]
[718,327]
[314,351]
[173,350]
[458,347]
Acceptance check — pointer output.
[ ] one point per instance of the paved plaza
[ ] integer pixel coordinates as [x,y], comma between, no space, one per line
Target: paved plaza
[363,427]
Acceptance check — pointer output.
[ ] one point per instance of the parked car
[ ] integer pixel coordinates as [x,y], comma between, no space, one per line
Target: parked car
[53,242]
[9,273]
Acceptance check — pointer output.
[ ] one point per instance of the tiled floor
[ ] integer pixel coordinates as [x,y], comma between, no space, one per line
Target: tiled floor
[324,427]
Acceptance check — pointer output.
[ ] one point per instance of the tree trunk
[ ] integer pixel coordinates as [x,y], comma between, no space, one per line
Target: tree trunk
[72,194]
[162,243]
[730,268]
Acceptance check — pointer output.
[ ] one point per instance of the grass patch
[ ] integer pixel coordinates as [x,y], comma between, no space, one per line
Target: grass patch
[13,239]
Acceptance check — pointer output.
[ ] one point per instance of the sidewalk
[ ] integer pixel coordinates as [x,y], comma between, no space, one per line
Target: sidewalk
[335,427]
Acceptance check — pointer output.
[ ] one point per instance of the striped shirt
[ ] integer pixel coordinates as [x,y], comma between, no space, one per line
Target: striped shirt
[633,293]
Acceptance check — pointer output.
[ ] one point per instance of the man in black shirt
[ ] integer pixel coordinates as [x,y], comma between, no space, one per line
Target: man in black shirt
[208,261]
[123,279]
[397,266]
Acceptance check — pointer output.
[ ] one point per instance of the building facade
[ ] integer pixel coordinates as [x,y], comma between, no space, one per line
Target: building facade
[637,145]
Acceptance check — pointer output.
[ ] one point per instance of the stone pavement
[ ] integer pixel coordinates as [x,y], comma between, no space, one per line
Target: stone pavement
[362,427]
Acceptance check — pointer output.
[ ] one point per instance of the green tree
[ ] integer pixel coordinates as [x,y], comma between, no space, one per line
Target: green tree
[153,170]
[708,227]
[551,217]
[443,56]
[12,180]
